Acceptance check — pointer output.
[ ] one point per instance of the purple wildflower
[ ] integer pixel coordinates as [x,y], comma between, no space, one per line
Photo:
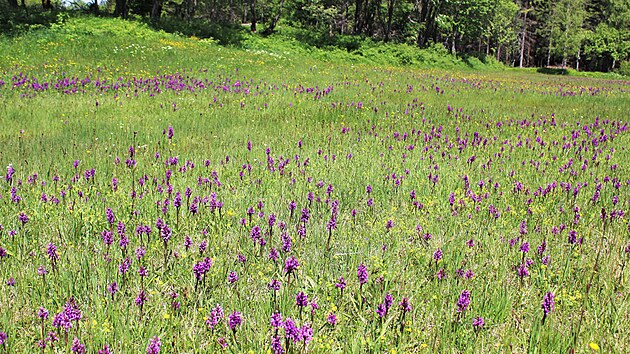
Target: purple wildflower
[123,268]
[548,304]
[404,305]
[154,345]
[314,306]
[301,300]
[478,323]
[105,350]
[381,311]
[572,237]
[140,252]
[142,271]
[51,250]
[141,298]
[273,254]
[274,284]
[522,271]
[42,313]
[291,265]
[77,346]
[276,345]
[276,320]
[341,284]
[109,213]
[389,301]
[216,315]
[235,319]
[306,333]
[112,288]
[201,268]
[464,301]
[108,237]
[291,331]
[362,274]
[61,320]
[437,255]
[23,218]
[525,247]
[331,319]
[286,242]
[232,277]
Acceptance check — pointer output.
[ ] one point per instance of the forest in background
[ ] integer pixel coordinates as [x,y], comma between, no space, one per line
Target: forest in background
[585,35]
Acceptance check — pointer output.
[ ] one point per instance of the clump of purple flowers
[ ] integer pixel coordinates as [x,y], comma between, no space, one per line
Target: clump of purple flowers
[232,277]
[290,266]
[437,255]
[362,274]
[69,313]
[331,319]
[463,302]
[200,269]
[216,315]
[235,320]
[478,323]
[341,284]
[548,305]
[154,345]
[78,347]
[384,307]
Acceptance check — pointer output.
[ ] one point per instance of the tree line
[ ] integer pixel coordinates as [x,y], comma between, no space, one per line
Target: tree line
[583,34]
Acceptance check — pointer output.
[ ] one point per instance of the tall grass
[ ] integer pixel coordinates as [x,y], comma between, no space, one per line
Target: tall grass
[507,185]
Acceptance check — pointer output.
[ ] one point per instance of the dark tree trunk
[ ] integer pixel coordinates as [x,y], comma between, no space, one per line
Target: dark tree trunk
[390,15]
[373,15]
[358,17]
[369,18]
[94,7]
[488,46]
[427,16]
[121,9]
[156,11]
[47,5]
[252,9]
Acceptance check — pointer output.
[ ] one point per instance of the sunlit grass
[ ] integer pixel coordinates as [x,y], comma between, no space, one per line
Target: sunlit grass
[496,170]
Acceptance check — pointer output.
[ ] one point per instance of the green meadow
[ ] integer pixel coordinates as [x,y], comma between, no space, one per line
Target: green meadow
[171,193]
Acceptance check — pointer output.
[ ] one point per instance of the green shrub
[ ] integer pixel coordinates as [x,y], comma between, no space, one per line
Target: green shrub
[624,68]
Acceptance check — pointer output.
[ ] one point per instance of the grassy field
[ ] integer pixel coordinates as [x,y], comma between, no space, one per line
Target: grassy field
[168,193]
